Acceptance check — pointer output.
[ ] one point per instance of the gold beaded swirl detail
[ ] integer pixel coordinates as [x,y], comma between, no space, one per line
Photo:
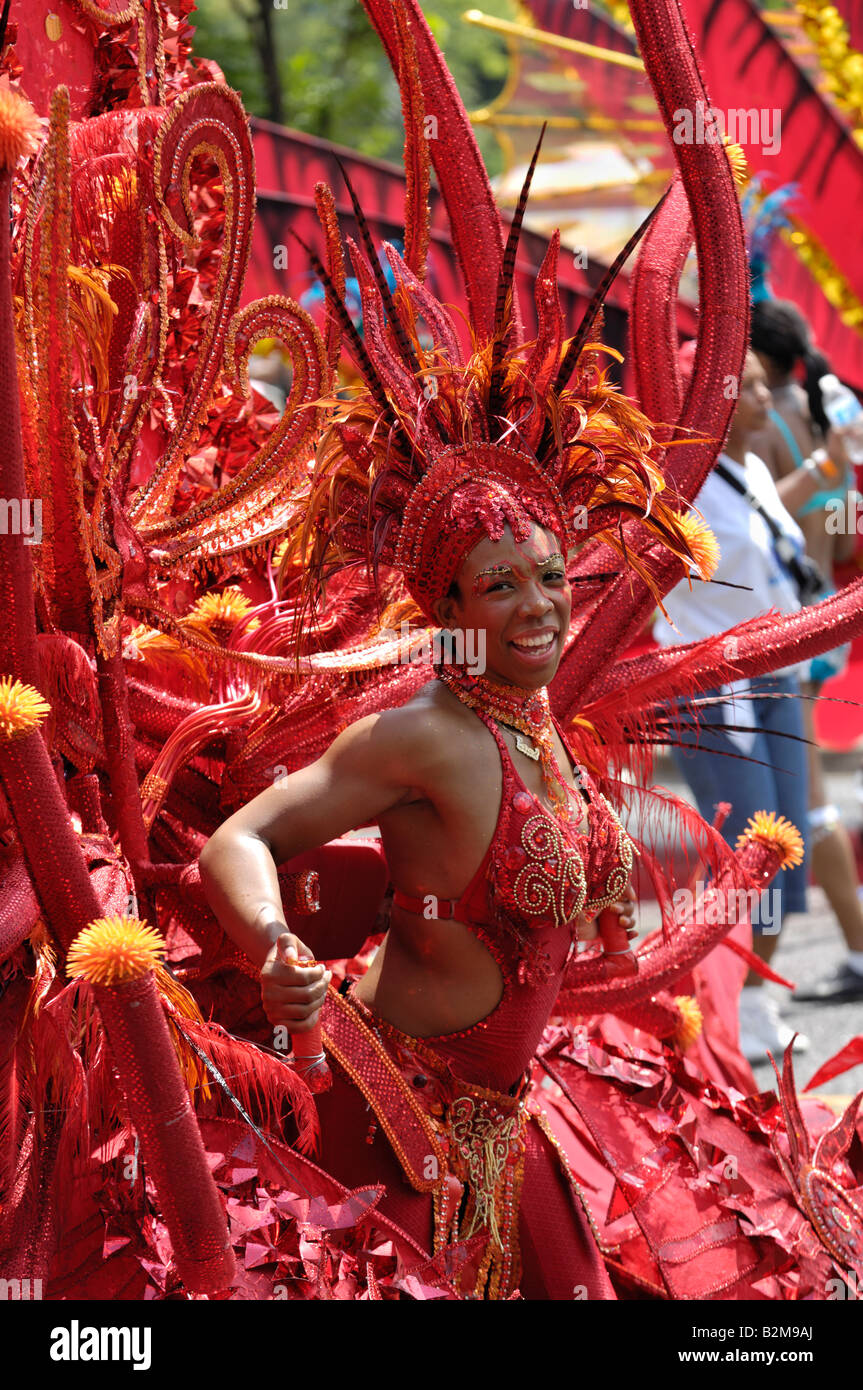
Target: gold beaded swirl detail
[622,871]
[552,880]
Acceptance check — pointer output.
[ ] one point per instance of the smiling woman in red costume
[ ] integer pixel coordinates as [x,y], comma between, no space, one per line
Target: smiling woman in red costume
[501,848]
[463,481]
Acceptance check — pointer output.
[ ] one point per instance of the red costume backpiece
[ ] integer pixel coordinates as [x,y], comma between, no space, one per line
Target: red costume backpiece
[148,1152]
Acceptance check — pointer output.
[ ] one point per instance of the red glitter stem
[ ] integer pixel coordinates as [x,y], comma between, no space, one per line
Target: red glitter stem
[661,965]
[41,817]
[119,745]
[171,1145]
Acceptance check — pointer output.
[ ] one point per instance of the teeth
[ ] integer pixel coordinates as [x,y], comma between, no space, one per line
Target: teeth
[533,642]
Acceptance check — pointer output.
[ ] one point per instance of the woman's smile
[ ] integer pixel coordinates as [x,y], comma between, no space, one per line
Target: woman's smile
[536,647]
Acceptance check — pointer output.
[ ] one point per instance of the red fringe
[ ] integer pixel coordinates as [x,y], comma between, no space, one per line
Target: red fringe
[261,1083]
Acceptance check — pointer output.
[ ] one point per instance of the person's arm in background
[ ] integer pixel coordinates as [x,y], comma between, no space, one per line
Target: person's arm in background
[796,486]
[798,489]
[845,538]
[771,446]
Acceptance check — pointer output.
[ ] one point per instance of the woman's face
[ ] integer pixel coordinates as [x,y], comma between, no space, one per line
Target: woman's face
[517,593]
[754,399]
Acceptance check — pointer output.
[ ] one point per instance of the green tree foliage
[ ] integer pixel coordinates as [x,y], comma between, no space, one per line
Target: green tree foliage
[334,80]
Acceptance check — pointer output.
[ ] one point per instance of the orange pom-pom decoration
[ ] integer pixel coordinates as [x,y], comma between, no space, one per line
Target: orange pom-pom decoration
[20,128]
[216,615]
[737,160]
[114,950]
[777,833]
[703,545]
[689,1024]
[22,708]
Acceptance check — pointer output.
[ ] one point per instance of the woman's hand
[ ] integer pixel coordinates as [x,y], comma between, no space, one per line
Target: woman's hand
[293,994]
[588,928]
[625,908]
[836,449]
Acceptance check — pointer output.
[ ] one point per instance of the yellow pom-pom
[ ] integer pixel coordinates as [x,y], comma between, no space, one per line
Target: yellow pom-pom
[19,128]
[114,950]
[22,708]
[690,1022]
[218,614]
[703,545]
[777,832]
[737,160]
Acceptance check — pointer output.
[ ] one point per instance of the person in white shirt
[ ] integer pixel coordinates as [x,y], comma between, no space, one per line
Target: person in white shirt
[748,749]
[798,424]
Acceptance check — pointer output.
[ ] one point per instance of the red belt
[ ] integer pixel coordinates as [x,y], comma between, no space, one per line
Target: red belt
[445,909]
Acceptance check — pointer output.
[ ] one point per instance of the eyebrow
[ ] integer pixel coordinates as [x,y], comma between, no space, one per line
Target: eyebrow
[508,569]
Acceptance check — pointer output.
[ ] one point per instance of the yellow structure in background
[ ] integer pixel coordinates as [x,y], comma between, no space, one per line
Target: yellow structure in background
[812,30]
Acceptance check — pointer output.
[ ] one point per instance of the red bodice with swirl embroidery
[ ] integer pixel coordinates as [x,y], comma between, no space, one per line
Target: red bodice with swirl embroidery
[536,878]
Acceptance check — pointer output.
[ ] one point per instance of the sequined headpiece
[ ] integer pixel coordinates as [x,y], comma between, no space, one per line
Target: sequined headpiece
[438,449]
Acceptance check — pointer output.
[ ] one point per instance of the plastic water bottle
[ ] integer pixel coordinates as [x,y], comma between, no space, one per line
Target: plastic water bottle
[842,408]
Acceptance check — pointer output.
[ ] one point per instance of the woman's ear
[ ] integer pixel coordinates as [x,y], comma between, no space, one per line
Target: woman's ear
[445,611]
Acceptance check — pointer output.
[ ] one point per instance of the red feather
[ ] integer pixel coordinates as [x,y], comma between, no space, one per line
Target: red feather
[851,1055]
[416,154]
[263,1084]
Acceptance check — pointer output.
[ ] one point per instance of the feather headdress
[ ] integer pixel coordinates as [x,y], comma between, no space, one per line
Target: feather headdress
[439,448]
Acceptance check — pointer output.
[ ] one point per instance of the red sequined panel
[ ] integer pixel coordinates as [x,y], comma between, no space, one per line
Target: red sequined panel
[541,875]
[609,856]
[546,873]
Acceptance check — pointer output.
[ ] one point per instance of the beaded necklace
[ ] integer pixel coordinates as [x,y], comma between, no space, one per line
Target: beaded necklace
[526,713]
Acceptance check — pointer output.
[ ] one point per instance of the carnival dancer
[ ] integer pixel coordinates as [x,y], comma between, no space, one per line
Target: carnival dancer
[467,478]
[502,851]
[473,479]
[501,847]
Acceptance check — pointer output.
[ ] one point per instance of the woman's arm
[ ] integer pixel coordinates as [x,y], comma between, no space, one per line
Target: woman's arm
[366,771]
[770,445]
[797,486]
[794,485]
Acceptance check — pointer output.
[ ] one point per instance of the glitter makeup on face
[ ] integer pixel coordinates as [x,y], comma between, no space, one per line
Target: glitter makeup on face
[516,571]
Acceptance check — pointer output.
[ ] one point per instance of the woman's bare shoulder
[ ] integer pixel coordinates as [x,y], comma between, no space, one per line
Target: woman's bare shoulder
[431,717]
[431,729]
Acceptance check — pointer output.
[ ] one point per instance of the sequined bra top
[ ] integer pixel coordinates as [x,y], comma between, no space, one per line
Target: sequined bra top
[537,877]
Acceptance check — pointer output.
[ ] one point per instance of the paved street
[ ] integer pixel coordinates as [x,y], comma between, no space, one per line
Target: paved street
[810,946]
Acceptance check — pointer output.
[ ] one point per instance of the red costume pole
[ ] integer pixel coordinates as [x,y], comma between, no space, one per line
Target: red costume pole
[119,747]
[39,811]
[766,846]
[117,957]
